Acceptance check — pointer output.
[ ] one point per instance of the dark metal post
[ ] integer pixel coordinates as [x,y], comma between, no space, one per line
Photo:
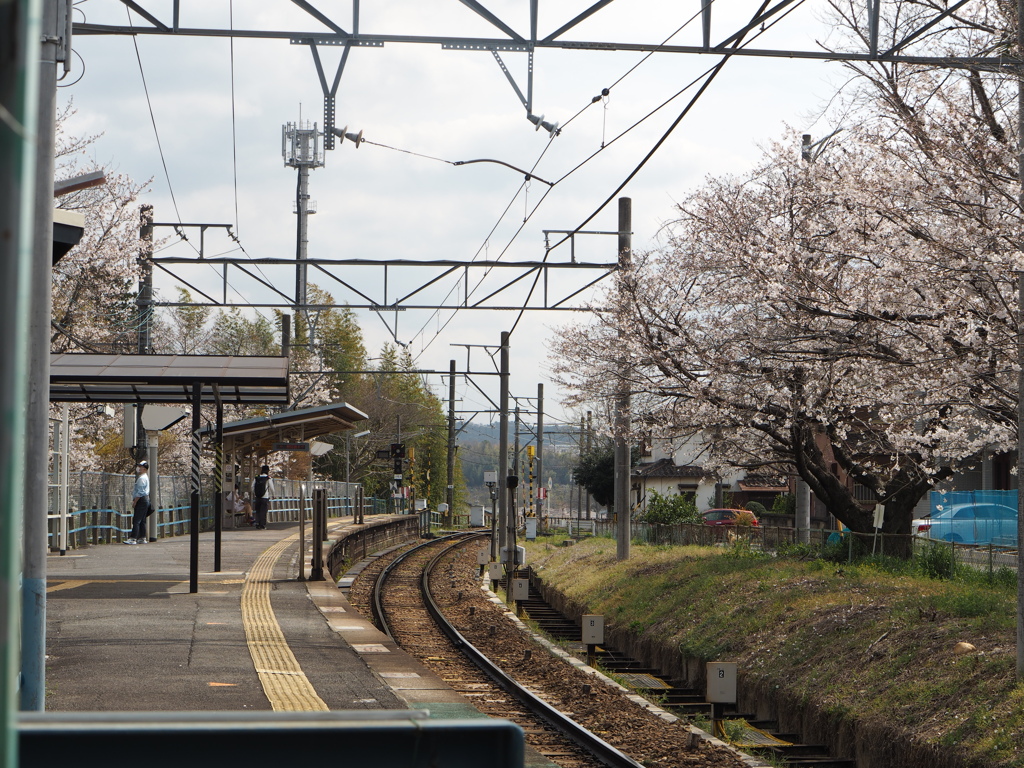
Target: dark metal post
[450,495]
[218,483]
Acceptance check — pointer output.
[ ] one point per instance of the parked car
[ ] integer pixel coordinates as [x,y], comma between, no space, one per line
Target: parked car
[971,524]
[728,516]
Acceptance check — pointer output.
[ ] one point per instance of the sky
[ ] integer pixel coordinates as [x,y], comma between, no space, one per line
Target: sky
[214,155]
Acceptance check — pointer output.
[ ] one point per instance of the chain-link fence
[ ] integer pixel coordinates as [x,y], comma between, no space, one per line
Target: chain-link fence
[100,506]
[836,545]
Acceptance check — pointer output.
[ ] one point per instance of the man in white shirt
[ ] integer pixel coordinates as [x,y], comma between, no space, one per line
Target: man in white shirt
[140,504]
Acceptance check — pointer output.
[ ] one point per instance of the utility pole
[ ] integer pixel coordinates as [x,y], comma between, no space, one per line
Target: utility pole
[144,320]
[579,485]
[515,464]
[622,399]
[53,47]
[503,473]
[1020,351]
[450,495]
[300,146]
[19,92]
[590,447]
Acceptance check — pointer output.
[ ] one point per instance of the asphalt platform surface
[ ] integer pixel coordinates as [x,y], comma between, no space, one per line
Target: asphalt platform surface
[125,634]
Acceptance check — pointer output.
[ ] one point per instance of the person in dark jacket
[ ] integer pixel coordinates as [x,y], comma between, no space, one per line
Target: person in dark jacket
[262,493]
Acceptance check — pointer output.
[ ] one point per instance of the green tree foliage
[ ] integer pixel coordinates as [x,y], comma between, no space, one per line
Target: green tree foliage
[670,510]
[234,333]
[401,407]
[595,471]
[784,504]
[339,339]
[183,329]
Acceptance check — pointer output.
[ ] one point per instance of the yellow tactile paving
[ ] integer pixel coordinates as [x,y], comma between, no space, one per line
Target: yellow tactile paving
[283,680]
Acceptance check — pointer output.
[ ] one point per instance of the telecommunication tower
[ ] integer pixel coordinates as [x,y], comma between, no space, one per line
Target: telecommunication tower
[302,150]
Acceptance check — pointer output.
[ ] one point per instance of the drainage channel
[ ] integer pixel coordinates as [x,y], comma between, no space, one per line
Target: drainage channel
[761,736]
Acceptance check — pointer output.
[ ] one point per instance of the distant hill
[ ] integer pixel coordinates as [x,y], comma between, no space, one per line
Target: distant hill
[558,436]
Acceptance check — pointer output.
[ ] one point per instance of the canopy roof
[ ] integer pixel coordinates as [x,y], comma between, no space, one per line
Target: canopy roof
[76,377]
[288,427]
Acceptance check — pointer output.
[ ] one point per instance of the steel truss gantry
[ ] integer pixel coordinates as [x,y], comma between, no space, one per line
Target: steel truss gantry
[328,31]
[333,33]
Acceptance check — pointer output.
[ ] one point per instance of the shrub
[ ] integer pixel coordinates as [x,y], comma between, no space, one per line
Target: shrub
[784,504]
[671,510]
[936,561]
[745,518]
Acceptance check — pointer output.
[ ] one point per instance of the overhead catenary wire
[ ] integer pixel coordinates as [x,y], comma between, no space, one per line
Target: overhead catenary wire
[709,73]
[167,175]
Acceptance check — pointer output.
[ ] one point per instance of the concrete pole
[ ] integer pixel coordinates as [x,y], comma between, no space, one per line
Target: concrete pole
[37,442]
[63,476]
[1020,352]
[1020,391]
[803,511]
[622,400]
[590,447]
[144,314]
[515,468]
[153,443]
[19,92]
[540,457]
[450,490]
[503,511]
[579,486]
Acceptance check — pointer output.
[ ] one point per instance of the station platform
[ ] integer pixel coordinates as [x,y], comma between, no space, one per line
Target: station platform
[124,634]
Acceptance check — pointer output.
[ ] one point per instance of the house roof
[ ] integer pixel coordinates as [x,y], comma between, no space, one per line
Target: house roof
[291,426]
[668,468]
[764,484]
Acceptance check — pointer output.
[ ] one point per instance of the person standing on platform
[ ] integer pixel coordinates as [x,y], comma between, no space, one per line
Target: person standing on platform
[140,504]
[262,493]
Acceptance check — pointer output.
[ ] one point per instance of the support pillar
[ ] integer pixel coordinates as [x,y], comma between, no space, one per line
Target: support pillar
[622,400]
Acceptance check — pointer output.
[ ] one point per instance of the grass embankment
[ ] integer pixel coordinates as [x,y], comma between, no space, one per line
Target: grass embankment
[871,644]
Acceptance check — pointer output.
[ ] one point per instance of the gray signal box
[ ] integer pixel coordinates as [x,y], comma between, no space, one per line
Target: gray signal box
[495,571]
[593,629]
[483,557]
[722,682]
[520,589]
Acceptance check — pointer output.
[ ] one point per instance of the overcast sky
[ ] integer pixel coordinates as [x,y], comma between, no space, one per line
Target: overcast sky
[452,105]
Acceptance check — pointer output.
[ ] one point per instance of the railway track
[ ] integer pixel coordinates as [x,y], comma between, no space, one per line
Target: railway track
[435,585]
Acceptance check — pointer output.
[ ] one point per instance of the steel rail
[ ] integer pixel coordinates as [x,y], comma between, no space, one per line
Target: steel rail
[580,736]
[376,605]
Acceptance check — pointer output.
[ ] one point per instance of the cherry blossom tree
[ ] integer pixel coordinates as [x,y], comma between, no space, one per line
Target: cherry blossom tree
[849,314]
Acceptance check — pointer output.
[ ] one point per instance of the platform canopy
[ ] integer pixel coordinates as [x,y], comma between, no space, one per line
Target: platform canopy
[298,426]
[78,377]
